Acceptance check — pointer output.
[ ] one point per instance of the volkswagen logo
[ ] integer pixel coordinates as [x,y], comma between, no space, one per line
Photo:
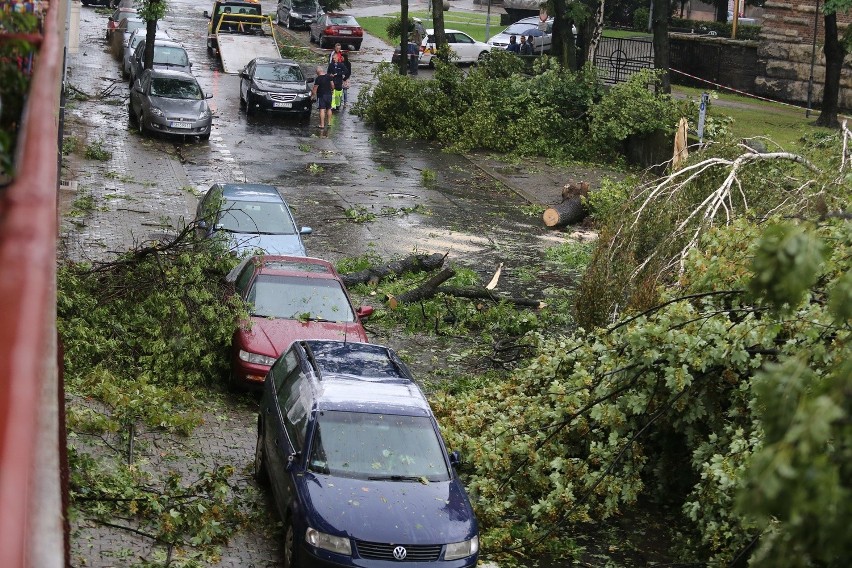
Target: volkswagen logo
[400,553]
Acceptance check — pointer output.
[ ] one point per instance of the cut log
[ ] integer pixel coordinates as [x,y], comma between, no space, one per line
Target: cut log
[482,294]
[568,212]
[575,189]
[425,290]
[411,263]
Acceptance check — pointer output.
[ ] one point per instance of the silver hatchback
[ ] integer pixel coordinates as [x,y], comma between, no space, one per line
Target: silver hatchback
[170,102]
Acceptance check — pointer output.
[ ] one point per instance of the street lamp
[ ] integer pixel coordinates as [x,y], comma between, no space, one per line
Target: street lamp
[813,61]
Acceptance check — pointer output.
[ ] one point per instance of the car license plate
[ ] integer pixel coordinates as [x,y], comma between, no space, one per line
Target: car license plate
[282,105]
[180,124]
[345,32]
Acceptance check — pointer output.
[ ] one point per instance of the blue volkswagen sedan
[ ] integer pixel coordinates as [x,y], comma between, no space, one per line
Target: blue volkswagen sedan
[253,217]
[357,466]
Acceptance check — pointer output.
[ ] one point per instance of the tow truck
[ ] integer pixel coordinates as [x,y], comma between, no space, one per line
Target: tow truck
[239,32]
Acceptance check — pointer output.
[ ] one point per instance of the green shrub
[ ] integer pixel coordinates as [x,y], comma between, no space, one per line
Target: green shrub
[722,29]
[640,19]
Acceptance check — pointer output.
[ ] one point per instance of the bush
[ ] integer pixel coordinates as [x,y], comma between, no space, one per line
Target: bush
[722,29]
[640,19]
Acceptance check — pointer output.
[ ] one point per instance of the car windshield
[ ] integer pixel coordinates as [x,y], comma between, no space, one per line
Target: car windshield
[170,88]
[260,217]
[167,55]
[305,6]
[377,446]
[133,25]
[280,73]
[342,21]
[298,297]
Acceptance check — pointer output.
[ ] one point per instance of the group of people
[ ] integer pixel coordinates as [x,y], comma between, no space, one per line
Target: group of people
[331,85]
[526,47]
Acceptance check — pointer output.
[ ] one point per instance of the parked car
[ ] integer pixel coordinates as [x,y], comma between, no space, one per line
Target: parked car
[290,298]
[464,48]
[357,467]
[137,36]
[331,28]
[252,217]
[298,13]
[167,55]
[276,85]
[501,40]
[170,102]
[115,19]
[128,24]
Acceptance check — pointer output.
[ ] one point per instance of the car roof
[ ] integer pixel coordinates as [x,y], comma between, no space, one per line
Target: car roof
[250,192]
[167,42]
[270,60]
[157,73]
[364,377]
[431,31]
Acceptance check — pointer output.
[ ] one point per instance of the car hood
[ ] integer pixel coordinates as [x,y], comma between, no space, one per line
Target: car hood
[284,245]
[180,107]
[277,87]
[271,337]
[389,511]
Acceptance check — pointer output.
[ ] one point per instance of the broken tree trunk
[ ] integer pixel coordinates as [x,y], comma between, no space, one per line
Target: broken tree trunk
[575,189]
[483,294]
[411,263]
[568,212]
[425,290]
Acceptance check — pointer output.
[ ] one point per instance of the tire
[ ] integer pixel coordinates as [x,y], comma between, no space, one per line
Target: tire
[242,100]
[261,474]
[290,558]
[289,23]
[205,137]
[140,123]
[321,41]
[130,116]
[482,57]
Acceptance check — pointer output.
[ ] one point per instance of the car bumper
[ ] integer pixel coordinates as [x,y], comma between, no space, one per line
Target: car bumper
[260,102]
[345,39]
[299,22]
[322,559]
[191,128]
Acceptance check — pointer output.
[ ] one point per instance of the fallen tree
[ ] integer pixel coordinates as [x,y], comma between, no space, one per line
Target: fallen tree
[411,263]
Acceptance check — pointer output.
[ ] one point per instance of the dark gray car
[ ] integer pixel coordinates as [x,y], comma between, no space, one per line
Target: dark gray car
[298,13]
[167,55]
[170,102]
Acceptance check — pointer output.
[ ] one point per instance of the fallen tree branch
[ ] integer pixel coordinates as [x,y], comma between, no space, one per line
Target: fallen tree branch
[483,294]
[411,263]
[422,292]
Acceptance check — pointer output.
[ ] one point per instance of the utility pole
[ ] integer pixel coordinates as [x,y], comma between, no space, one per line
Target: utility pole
[488,22]
[403,32]
[736,19]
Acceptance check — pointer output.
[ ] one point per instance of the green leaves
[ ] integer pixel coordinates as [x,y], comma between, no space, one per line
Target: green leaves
[787,262]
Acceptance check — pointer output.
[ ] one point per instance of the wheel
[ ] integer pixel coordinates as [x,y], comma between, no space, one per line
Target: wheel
[311,35]
[321,41]
[482,56]
[205,137]
[242,100]
[289,23]
[261,474]
[290,559]
[130,116]
[140,122]
[249,109]
[306,116]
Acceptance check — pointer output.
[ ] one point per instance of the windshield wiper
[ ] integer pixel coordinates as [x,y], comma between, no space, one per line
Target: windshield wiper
[420,478]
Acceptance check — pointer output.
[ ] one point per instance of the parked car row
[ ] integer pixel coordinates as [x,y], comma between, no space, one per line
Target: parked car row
[346,440]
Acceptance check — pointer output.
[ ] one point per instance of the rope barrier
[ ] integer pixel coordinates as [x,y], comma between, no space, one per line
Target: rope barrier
[742,93]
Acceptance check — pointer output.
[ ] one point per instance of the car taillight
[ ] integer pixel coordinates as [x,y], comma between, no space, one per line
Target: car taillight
[330,30]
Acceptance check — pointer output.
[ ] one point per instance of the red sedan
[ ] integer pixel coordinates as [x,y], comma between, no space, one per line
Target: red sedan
[331,28]
[289,298]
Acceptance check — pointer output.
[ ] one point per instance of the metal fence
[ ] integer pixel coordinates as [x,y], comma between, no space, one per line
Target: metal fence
[618,58]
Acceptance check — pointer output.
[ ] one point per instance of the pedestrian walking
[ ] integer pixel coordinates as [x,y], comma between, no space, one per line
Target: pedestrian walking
[338,50]
[513,46]
[526,47]
[347,73]
[337,69]
[413,57]
[321,93]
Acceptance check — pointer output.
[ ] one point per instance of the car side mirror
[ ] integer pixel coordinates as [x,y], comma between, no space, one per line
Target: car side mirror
[206,14]
[455,458]
[208,95]
[291,460]
[364,312]
[305,231]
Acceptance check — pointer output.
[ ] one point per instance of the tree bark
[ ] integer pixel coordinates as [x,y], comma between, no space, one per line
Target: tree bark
[403,34]
[150,35]
[438,26]
[483,294]
[660,27]
[411,263]
[596,32]
[568,212]
[835,52]
[562,43]
[425,290]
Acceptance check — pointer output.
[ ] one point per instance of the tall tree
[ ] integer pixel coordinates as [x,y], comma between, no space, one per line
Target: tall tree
[565,16]
[403,35]
[151,11]
[660,27]
[835,49]
[438,26]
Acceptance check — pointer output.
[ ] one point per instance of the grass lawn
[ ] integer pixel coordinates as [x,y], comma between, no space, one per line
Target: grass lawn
[782,124]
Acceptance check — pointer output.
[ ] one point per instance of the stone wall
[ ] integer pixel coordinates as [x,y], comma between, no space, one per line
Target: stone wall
[785,51]
[732,63]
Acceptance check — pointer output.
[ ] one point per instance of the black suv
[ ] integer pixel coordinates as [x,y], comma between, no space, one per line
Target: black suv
[359,471]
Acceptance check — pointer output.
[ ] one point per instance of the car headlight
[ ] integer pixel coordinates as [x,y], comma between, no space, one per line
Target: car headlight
[302,96]
[204,114]
[256,358]
[464,549]
[156,112]
[256,91]
[338,544]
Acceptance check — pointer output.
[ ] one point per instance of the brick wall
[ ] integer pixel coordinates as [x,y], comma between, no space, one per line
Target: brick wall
[786,48]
